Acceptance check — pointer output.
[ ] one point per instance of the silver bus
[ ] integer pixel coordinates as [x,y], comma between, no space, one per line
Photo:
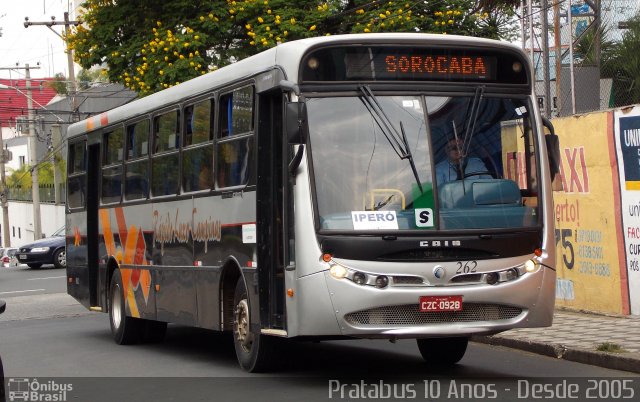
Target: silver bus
[359,186]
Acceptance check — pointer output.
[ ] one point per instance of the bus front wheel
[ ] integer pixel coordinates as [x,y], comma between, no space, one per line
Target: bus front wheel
[125,330]
[255,352]
[442,351]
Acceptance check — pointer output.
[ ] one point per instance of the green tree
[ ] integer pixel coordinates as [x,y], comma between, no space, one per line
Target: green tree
[149,45]
[22,177]
[58,84]
[625,65]
[88,76]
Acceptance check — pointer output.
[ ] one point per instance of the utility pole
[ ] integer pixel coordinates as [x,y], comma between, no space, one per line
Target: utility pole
[67,26]
[33,154]
[558,44]
[33,160]
[4,194]
[545,57]
[56,139]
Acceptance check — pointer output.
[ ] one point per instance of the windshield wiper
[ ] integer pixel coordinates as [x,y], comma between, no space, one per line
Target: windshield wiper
[472,118]
[397,140]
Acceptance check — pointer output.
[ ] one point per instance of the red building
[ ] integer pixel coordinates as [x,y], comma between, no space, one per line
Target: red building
[13,103]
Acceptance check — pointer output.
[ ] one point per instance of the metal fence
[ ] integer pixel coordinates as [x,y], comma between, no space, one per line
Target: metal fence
[47,194]
[604,71]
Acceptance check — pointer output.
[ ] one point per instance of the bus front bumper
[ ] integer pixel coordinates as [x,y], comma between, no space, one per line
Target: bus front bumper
[394,312]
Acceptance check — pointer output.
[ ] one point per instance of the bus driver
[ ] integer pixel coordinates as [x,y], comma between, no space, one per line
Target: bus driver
[457,166]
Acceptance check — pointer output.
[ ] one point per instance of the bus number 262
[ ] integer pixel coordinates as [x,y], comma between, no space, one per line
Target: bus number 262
[466,267]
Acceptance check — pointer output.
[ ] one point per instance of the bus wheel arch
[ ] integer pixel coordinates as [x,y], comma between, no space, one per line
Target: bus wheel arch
[125,330]
[229,277]
[112,266]
[255,352]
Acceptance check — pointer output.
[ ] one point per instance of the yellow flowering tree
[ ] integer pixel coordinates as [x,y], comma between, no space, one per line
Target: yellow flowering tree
[149,45]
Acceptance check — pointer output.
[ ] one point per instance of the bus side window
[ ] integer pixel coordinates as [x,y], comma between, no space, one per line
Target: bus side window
[197,153]
[113,143]
[165,159]
[76,175]
[137,165]
[234,156]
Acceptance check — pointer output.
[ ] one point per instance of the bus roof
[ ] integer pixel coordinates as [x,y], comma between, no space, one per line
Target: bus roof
[287,56]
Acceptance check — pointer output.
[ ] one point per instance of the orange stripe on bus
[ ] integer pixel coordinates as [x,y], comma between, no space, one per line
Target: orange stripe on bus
[122,225]
[139,258]
[130,245]
[107,233]
[145,281]
[126,279]
[133,305]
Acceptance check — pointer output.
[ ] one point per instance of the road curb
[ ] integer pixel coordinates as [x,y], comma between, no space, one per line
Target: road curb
[615,361]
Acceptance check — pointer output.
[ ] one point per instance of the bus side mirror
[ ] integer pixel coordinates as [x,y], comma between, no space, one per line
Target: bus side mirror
[296,122]
[553,148]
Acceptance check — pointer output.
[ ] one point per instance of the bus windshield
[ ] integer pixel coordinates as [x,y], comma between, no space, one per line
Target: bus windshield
[415,162]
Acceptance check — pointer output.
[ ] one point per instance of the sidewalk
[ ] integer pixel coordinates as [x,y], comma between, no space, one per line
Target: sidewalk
[576,336]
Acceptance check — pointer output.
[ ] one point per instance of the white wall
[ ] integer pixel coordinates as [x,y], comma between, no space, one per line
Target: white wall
[14,163]
[21,221]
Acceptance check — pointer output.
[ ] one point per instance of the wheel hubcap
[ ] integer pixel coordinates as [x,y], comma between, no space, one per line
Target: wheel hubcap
[62,259]
[116,307]
[241,325]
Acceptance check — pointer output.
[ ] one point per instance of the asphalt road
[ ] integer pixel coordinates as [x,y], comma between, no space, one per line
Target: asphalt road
[50,339]
[23,281]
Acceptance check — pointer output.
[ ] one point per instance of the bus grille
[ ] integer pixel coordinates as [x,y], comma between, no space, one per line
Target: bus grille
[409,314]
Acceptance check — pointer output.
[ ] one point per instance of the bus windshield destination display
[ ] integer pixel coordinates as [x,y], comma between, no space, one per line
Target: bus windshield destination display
[384,63]
[439,66]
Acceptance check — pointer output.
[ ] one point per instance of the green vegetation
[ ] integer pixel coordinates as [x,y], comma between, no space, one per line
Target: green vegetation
[149,45]
[610,347]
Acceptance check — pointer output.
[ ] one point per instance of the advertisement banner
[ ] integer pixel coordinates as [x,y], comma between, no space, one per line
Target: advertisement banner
[588,227]
[627,137]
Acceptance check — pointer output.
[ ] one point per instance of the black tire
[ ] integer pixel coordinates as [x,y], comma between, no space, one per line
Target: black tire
[60,258]
[154,331]
[125,330]
[34,266]
[442,351]
[255,352]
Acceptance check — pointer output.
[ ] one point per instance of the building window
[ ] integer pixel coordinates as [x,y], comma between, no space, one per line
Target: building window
[22,160]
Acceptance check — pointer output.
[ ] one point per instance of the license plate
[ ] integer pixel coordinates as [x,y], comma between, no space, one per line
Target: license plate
[22,257]
[440,303]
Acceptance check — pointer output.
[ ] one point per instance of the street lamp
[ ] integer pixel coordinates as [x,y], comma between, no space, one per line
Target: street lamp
[33,161]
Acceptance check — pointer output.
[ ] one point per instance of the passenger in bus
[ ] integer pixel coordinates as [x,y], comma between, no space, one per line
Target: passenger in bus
[205,177]
[458,166]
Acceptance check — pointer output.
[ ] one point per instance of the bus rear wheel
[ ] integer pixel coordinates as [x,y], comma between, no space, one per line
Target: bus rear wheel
[443,351]
[125,330]
[255,351]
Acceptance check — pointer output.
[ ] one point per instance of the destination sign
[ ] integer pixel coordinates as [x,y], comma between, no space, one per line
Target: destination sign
[411,63]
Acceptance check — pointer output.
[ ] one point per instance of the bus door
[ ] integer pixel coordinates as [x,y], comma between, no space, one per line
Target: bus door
[271,214]
[81,221]
[93,200]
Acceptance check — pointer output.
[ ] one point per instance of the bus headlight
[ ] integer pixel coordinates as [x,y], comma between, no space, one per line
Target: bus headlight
[382,281]
[511,274]
[338,271]
[360,278]
[492,278]
[530,266]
